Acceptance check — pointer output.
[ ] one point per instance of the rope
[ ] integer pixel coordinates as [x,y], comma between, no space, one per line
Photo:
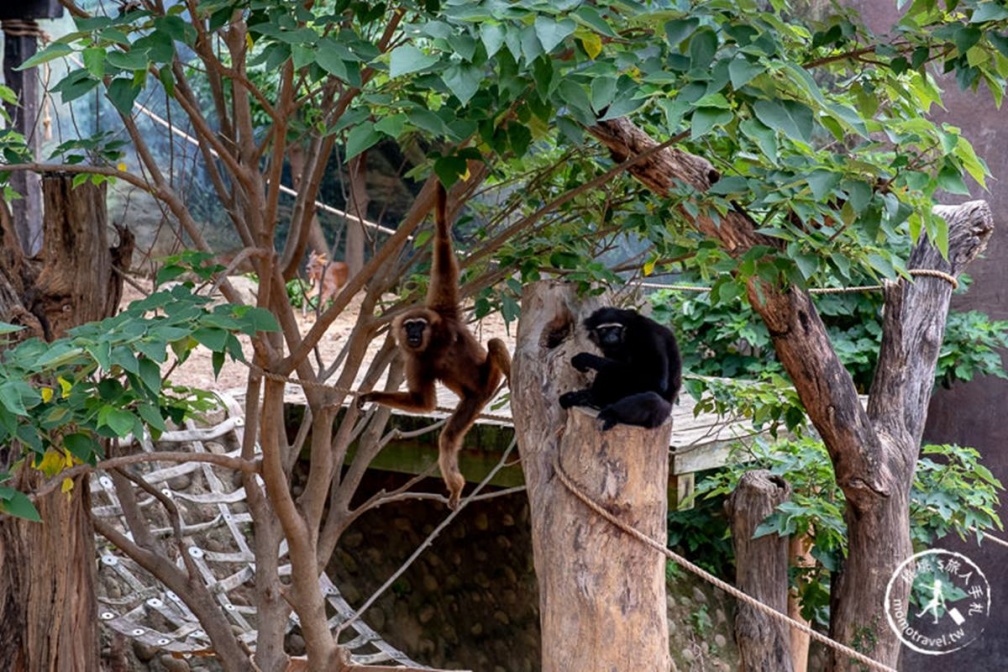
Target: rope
[710,578]
[23,28]
[926,272]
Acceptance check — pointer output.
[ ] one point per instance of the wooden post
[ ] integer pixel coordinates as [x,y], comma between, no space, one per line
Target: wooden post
[761,571]
[602,593]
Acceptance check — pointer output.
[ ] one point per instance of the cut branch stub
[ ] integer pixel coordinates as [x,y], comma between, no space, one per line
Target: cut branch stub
[761,571]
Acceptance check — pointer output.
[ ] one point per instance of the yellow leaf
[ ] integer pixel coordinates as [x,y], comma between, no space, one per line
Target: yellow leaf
[47,394]
[67,486]
[248,40]
[592,44]
[121,166]
[68,458]
[65,386]
[649,267]
[51,463]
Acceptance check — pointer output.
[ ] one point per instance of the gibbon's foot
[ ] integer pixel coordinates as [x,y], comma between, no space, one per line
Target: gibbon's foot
[455,483]
[607,420]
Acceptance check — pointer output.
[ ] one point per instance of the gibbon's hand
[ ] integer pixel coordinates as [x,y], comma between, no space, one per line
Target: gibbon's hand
[582,361]
[361,399]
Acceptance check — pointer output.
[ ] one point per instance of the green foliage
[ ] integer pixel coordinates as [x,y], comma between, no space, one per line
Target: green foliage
[701,533]
[104,380]
[734,341]
[951,492]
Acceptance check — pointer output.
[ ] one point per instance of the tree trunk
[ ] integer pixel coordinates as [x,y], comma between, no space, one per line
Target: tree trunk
[602,593]
[47,570]
[873,451]
[316,237]
[761,571]
[353,253]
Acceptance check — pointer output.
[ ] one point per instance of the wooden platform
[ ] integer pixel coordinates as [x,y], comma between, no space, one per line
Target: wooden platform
[698,443]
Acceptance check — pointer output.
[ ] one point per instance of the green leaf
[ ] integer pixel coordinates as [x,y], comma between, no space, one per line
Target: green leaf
[763,136]
[742,71]
[551,32]
[360,138]
[122,92]
[603,89]
[330,61]
[16,503]
[53,51]
[94,61]
[492,35]
[463,80]
[989,11]
[706,118]
[392,125]
[678,30]
[119,421]
[82,445]
[792,118]
[407,59]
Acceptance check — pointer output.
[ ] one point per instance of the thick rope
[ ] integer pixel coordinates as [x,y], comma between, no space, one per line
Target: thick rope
[926,272]
[710,578]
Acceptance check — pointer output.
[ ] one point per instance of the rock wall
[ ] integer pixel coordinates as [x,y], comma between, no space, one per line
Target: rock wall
[470,600]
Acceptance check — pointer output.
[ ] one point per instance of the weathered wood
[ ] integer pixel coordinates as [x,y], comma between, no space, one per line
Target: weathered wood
[47,570]
[602,594]
[761,571]
[878,527]
[873,451]
[76,260]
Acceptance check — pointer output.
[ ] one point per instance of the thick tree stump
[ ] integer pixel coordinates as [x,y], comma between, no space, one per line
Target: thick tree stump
[48,607]
[602,593]
[761,571]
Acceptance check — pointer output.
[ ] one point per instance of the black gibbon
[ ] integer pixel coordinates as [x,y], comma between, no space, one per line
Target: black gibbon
[638,376]
[437,345]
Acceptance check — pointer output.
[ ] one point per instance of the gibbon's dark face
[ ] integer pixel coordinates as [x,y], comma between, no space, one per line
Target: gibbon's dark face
[608,335]
[413,332]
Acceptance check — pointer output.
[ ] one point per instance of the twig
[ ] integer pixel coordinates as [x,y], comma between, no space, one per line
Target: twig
[429,540]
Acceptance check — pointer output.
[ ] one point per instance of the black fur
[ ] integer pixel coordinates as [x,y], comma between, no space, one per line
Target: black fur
[638,377]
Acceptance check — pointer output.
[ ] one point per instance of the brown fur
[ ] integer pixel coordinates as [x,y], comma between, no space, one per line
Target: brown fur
[326,278]
[448,352]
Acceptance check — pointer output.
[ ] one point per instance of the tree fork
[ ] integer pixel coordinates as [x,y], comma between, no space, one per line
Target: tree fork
[873,451]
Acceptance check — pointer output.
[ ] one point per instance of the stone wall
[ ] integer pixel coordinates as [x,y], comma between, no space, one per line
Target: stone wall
[470,600]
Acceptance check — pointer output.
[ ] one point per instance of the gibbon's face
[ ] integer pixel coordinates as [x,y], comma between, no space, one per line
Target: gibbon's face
[413,331]
[608,336]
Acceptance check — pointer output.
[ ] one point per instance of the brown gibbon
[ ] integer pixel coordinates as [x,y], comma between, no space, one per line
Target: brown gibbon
[437,345]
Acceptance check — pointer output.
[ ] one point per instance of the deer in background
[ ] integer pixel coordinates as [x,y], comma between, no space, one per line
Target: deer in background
[326,278]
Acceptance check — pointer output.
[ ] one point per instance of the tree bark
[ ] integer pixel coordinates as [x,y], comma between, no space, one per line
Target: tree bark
[353,253]
[873,451]
[602,593]
[761,571]
[47,570]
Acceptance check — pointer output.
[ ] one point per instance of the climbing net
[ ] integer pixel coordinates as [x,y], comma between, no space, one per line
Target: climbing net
[215,527]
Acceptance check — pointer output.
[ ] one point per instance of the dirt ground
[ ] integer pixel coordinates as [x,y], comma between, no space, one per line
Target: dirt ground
[197,371]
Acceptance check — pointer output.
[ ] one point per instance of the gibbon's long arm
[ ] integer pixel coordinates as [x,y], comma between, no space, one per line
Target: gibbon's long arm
[443,293]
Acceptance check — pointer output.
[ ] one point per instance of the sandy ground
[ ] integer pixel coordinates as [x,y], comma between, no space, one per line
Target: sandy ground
[197,371]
